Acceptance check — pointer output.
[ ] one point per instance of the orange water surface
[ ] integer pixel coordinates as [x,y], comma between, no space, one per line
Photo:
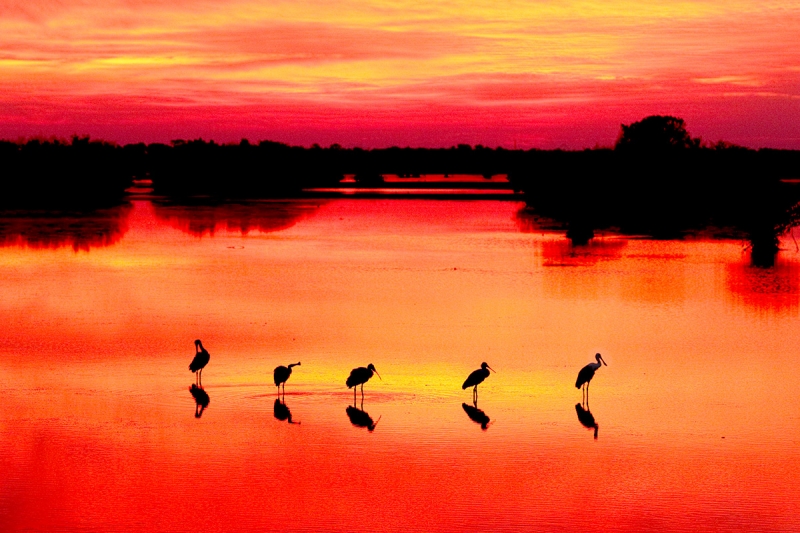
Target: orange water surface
[697,424]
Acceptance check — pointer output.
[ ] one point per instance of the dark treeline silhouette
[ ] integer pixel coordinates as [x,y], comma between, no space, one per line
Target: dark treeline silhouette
[657,180]
[79,175]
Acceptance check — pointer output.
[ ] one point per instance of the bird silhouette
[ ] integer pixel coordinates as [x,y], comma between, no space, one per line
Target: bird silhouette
[200,361]
[476,415]
[475,379]
[201,399]
[281,411]
[585,417]
[360,418]
[587,373]
[359,376]
[281,374]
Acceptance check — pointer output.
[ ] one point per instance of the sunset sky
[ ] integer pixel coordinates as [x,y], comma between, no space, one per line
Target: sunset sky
[394,72]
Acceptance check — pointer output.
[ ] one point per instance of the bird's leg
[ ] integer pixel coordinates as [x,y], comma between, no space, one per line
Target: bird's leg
[362,394]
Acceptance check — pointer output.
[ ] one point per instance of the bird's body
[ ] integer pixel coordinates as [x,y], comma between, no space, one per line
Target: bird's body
[201,358]
[359,376]
[587,373]
[282,373]
[475,379]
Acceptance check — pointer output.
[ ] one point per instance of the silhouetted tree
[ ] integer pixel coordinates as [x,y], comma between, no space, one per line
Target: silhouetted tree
[656,133]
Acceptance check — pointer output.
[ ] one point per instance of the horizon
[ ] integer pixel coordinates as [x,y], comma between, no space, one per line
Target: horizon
[372,75]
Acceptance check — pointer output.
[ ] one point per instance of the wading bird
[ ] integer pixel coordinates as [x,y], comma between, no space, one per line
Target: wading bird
[200,360]
[587,373]
[281,374]
[585,417]
[359,376]
[475,379]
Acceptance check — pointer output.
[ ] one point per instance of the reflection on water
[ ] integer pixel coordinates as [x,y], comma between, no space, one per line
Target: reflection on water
[95,433]
[476,415]
[79,231]
[281,411]
[562,252]
[360,418]
[264,216]
[586,419]
[766,289]
[201,399]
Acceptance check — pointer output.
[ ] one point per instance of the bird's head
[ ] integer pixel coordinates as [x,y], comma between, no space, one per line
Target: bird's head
[198,343]
[372,367]
[600,359]
[486,365]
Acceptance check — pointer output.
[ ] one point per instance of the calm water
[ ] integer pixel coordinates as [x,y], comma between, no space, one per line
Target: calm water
[698,427]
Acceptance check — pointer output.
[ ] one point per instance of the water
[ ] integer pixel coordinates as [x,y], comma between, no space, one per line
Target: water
[697,421]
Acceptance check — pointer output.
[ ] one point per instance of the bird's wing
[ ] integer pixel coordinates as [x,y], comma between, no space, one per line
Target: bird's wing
[473,379]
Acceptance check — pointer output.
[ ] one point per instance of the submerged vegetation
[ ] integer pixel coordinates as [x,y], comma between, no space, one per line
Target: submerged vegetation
[657,180]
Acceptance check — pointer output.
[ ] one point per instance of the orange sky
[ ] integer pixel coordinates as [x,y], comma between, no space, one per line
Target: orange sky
[377,73]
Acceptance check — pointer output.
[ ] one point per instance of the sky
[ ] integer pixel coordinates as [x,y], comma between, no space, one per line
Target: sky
[378,73]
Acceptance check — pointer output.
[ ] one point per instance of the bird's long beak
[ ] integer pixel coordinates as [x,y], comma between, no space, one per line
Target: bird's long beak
[603,360]
[490,368]
[379,376]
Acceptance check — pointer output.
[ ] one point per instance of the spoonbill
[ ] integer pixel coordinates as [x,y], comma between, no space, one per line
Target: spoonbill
[476,378]
[587,373]
[281,374]
[359,376]
[201,358]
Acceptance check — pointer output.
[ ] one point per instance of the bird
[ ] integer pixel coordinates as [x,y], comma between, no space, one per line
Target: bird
[200,360]
[359,376]
[585,417]
[476,415]
[587,373]
[282,373]
[200,398]
[475,379]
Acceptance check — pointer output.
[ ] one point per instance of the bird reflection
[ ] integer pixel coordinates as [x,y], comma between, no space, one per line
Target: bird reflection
[476,415]
[360,418]
[585,417]
[201,399]
[282,412]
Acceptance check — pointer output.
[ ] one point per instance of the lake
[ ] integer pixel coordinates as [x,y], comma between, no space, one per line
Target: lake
[696,422]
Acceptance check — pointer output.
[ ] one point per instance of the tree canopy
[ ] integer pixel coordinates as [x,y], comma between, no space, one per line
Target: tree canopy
[656,133]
